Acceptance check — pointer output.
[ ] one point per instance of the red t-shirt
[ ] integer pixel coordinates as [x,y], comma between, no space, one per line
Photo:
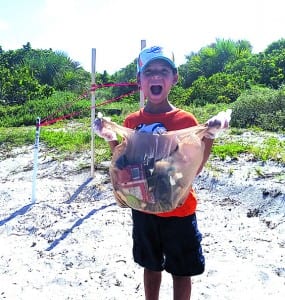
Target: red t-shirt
[172,120]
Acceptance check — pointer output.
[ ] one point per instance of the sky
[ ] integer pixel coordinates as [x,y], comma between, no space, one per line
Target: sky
[115,28]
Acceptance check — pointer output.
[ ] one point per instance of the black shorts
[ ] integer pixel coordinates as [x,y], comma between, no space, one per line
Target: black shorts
[171,244]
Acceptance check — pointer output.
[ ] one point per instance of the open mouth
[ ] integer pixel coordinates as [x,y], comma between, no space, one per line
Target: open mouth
[156,89]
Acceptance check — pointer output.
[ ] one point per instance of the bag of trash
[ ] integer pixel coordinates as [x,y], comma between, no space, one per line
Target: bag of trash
[153,169]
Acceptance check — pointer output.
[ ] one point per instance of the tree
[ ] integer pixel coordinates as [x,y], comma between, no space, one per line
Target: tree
[212,59]
[42,72]
[17,86]
[272,68]
[278,45]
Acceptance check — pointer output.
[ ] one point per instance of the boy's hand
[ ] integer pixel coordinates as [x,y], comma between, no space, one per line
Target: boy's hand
[219,122]
[107,134]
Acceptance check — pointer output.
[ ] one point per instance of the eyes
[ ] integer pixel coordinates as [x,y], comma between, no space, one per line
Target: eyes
[164,72]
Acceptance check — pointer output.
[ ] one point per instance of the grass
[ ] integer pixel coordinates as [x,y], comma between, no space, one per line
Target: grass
[231,149]
[73,136]
[268,148]
[72,140]
[16,136]
[272,149]
[66,141]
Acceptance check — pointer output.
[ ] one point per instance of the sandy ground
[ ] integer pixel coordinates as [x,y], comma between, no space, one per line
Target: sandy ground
[75,243]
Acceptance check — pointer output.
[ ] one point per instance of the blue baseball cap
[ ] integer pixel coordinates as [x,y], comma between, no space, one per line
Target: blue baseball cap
[150,54]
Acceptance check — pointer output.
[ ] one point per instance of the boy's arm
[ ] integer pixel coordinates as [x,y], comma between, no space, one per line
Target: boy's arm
[217,123]
[208,146]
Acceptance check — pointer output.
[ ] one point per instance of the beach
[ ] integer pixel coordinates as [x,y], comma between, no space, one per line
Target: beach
[73,242]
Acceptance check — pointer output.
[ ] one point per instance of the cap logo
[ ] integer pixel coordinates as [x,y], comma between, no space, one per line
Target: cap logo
[154,49]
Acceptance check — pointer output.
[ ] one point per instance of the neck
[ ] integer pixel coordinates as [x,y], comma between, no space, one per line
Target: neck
[158,108]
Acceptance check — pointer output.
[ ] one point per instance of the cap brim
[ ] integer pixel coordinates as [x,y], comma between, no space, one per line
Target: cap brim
[170,62]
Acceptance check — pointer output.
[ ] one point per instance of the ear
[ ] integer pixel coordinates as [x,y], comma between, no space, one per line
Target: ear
[175,78]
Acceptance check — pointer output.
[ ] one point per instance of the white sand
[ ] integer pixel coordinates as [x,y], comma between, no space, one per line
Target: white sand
[78,245]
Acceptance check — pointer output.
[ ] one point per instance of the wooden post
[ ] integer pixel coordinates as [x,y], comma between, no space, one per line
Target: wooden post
[93,80]
[36,155]
[143,45]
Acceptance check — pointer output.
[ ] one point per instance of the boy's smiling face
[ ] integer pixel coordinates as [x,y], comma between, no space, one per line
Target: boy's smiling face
[156,81]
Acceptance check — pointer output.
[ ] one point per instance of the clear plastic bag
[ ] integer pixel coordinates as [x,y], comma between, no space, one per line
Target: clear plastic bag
[154,172]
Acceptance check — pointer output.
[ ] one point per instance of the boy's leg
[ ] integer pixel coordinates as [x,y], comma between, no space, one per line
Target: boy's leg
[182,246]
[181,287]
[147,251]
[152,280]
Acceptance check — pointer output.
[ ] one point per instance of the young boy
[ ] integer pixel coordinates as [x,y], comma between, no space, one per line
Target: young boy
[165,241]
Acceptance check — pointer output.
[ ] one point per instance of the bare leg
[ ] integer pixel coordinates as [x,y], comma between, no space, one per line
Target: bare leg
[152,280]
[181,287]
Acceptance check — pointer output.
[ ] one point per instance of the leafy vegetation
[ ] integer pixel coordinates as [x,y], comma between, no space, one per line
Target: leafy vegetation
[226,74]
[272,149]
[27,74]
[231,149]
[261,107]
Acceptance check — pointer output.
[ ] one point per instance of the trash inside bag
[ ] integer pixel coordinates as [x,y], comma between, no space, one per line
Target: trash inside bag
[152,170]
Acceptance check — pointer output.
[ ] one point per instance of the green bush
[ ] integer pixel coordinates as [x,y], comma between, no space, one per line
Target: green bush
[262,107]
[220,87]
[179,95]
[58,105]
